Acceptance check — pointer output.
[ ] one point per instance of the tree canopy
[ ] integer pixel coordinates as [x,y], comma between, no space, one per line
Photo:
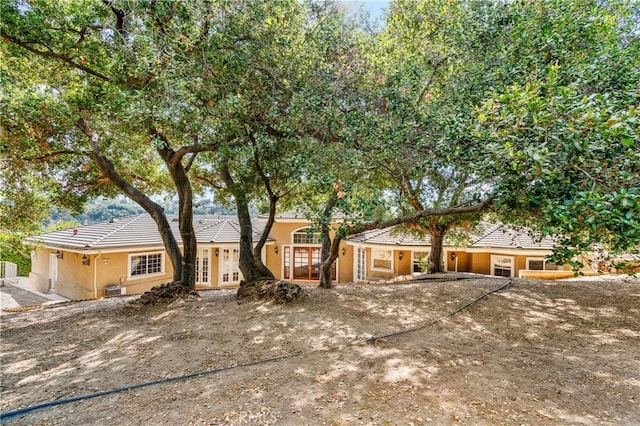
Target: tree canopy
[449,109]
[567,131]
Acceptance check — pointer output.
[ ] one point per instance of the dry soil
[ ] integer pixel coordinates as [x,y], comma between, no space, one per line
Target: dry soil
[535,353]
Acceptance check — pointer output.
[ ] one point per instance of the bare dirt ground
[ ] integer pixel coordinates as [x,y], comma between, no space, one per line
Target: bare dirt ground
[536,353]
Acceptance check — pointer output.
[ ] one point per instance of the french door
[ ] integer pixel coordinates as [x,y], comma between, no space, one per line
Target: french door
[203,261]
[305,263]
[361,264]
[229,267]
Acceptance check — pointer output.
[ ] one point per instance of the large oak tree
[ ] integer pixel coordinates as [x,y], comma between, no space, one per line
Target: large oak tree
[131,95]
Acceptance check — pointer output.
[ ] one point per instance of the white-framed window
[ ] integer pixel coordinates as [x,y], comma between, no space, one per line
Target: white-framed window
[540,264]
[502,266]
[144,264]
[229,266]
[306,236]
[381,259]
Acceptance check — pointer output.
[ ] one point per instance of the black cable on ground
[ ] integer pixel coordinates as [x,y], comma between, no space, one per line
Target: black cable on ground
[9,415]
[437,320]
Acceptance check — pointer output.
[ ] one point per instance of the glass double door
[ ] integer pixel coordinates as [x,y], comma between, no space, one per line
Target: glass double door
[306,263]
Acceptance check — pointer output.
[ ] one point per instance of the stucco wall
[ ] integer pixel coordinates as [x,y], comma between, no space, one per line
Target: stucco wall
[404,266]
[345,268]
[112,269]
[546,275]
[479,263]
[39,275]
[273,261]
[72,275]
[76,281]
[463,261]
[215,268]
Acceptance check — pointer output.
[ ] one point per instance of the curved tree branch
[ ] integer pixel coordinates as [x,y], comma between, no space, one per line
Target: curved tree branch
[190,161]
[273,200]
[120,17]
[329,253]
[53,55]
[192,149]
[52,155]
[382,224]
[429,81]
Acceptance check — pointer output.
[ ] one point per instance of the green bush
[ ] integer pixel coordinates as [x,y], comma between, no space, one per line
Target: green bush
[12,250]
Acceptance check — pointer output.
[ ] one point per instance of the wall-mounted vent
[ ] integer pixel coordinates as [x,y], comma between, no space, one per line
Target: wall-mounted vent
[114,290]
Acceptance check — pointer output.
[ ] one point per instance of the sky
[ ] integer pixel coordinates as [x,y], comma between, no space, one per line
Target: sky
[376,8]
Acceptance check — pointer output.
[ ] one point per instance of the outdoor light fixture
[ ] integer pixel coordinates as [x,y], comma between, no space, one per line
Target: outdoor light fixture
[217,251]
[276,249]
[400,255]
[453,257]
[85,260]
[344,251]
[59,254]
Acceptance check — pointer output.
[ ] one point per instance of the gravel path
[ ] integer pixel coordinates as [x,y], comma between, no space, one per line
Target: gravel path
[13,297]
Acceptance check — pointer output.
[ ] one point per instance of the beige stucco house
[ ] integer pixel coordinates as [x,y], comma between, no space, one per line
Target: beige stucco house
[126,256]
[500,251]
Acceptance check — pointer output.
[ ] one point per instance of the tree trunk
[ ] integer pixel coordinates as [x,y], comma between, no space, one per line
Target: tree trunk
[251,266]
[327,255]
[326,277]
[251,269]
[435,264]
[185,213]
[155,210]
[187,233]
[168,239]
[326,269]
[257,250]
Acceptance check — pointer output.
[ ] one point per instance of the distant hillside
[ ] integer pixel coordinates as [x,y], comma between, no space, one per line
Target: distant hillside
[103,209]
